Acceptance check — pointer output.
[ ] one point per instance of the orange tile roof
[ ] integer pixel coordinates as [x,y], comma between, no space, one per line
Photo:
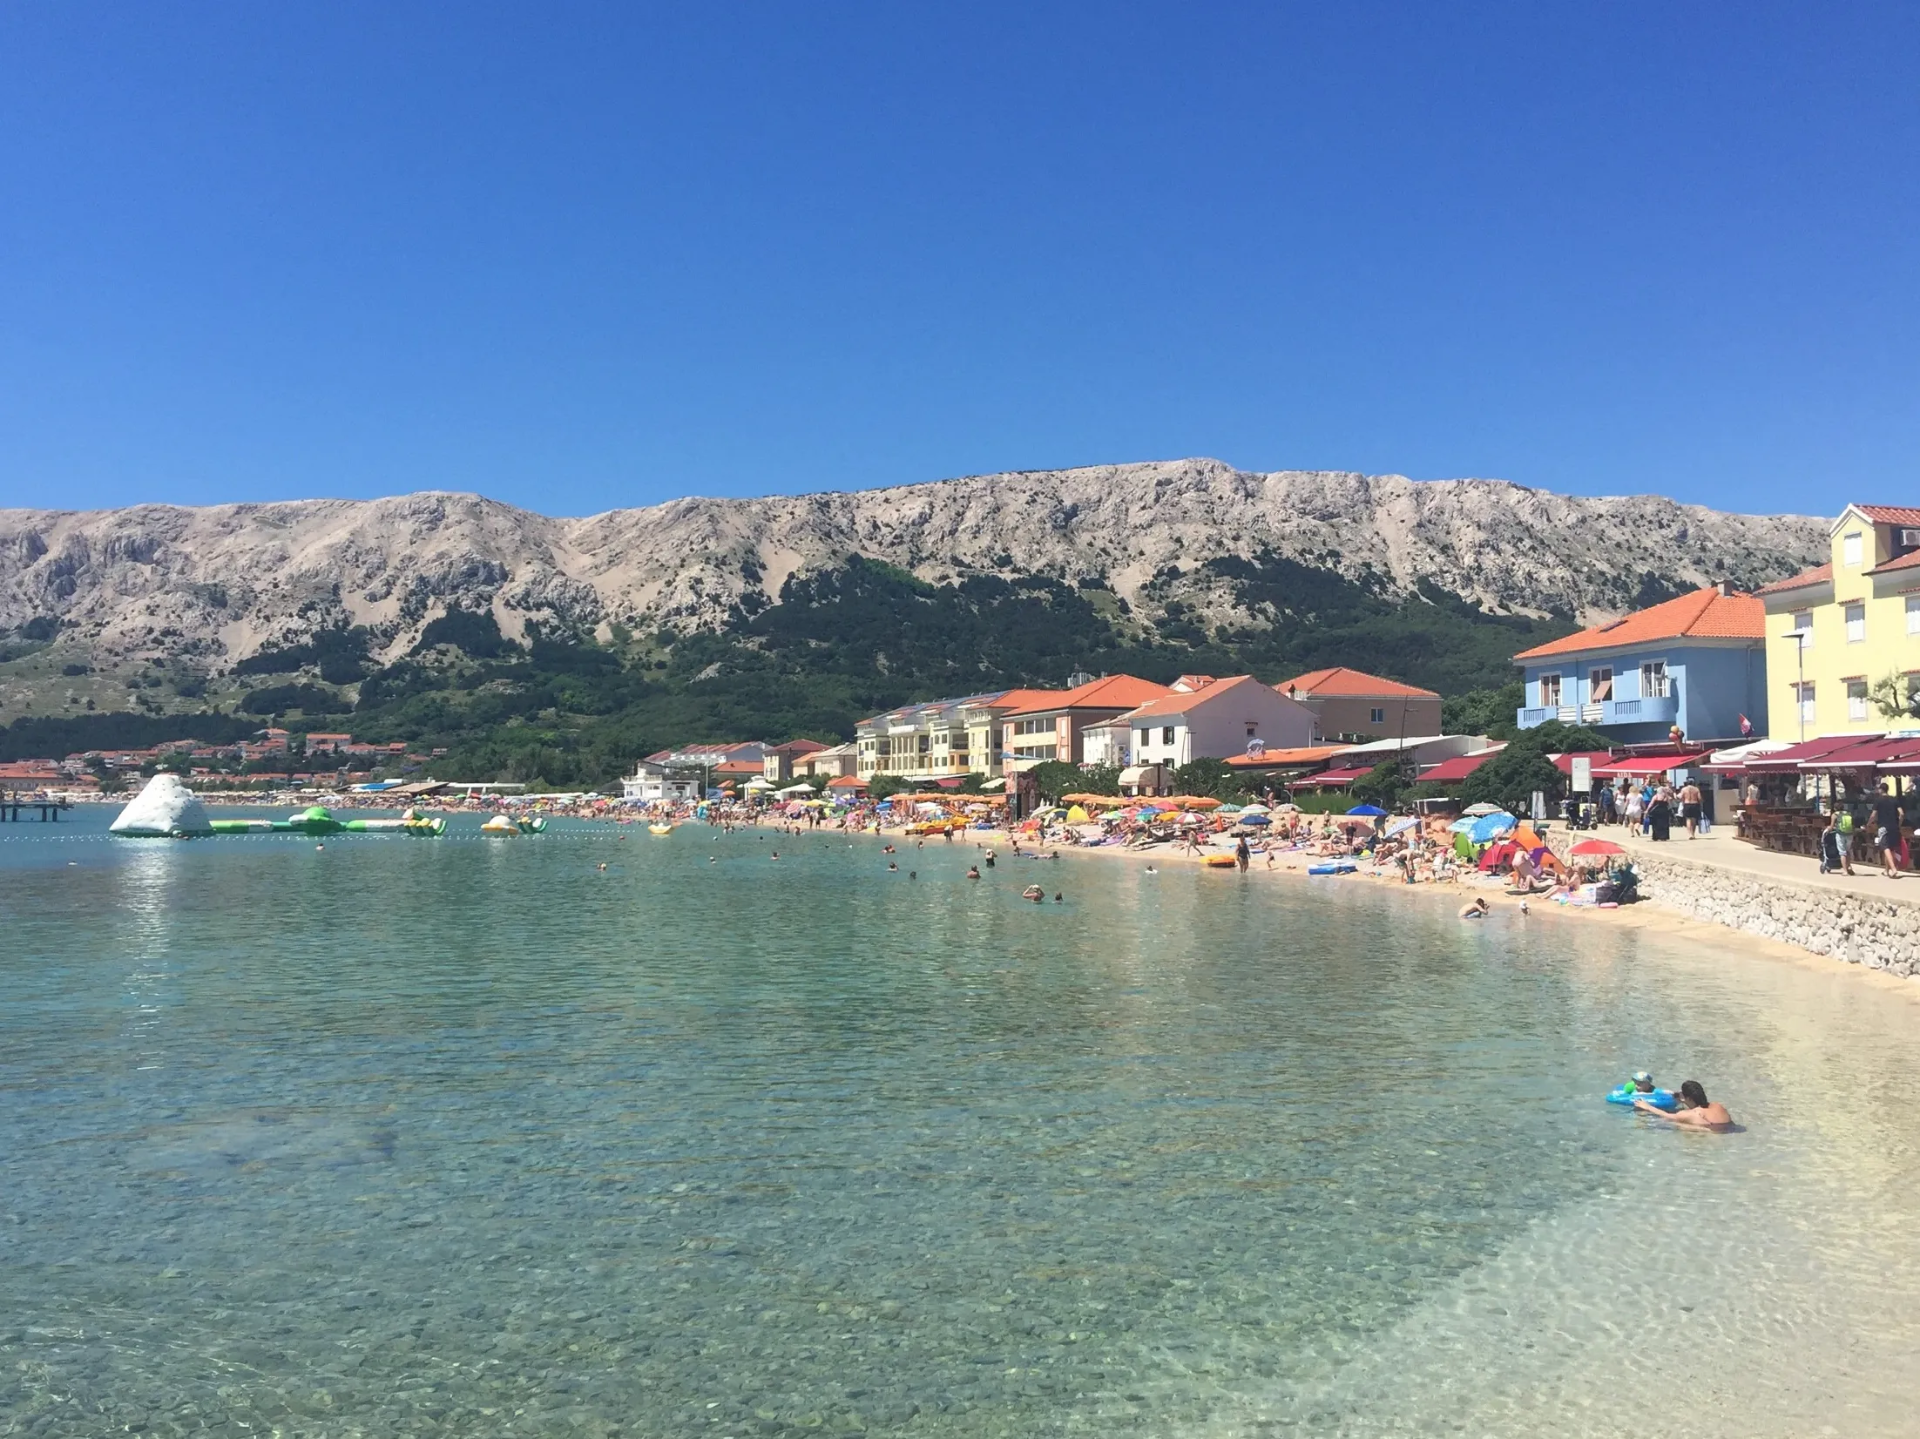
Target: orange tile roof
[1023,701]
[1889,514]
[1819,574]
[1175,703]
[1704,614]
[1305,754]
[1340,680]
[1905,562]
[1115,692]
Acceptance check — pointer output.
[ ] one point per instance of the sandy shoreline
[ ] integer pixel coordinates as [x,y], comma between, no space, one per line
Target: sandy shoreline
[1645,914]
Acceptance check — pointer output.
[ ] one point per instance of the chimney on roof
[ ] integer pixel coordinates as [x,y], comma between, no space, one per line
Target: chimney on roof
[1725,587]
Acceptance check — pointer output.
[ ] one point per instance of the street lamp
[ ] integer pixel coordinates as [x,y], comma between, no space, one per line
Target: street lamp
[1800,687]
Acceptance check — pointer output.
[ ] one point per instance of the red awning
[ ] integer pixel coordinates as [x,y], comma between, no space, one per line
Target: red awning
[1791,757]
[1335,777]
[1865,754]
[1459,767]
[1564,762]
[1646,765]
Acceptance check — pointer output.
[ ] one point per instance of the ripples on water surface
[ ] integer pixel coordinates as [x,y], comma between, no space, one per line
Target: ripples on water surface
[468,1137]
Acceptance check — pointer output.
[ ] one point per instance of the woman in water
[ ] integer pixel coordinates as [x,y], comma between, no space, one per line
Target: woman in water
[1695,1109]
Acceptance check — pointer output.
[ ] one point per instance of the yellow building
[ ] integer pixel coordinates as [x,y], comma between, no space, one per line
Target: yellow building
[1837,631]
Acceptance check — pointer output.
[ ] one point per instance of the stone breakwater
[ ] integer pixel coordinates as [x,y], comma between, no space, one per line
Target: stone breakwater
[1878,933]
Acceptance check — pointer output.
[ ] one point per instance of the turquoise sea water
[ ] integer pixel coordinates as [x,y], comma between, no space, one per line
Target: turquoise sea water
[468,1137]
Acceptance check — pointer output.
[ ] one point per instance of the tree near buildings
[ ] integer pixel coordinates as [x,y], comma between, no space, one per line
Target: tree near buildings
[1510,777]
[1896,696]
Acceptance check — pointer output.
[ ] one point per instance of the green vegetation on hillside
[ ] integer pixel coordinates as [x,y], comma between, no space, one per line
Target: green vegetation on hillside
[835,647]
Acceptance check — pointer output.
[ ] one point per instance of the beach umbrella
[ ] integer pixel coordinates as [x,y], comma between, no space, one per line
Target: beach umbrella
[1463,825]
[1491,826]
[1198,801]
[1255,808]
[1373,810]
[1474,811]
[1231,809]
[1401,826]
[1597,846]
[1254,819]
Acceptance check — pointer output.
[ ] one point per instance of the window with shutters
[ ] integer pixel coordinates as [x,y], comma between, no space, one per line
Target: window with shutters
[1856,623]
[1856,699]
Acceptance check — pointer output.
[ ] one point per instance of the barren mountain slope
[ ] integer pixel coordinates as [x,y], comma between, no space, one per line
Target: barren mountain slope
[219,583]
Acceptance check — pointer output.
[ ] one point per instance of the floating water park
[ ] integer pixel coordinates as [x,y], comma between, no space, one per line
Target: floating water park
[167,809]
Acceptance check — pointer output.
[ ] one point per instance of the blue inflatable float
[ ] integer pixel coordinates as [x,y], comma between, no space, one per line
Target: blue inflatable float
[1341,868]
[1658,1098]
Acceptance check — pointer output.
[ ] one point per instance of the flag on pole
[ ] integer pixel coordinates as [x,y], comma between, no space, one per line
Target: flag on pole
[1746,726]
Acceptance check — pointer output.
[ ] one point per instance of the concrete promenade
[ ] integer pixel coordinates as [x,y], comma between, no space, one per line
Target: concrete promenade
[1721,849]
[1864,918]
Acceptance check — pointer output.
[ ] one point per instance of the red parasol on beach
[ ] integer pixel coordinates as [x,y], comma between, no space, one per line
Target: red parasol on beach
[1597,846]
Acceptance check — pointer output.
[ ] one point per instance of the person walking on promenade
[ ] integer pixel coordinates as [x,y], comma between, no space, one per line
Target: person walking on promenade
[1690,808]
[1886,831]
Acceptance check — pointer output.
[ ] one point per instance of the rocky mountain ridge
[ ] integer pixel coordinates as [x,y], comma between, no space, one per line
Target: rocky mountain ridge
[217,584]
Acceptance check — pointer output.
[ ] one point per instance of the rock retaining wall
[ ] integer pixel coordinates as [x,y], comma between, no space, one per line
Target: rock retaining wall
[1879,933]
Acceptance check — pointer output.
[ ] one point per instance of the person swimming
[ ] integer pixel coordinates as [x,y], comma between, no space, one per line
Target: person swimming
[1034,893]
[892,868]
[1476,908]
[973,871]
[1695,1109]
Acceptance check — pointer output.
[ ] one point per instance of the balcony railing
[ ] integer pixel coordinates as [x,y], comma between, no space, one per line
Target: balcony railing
[1652,709]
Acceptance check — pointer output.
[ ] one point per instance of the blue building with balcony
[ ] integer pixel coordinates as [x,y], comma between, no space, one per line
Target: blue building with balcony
[1699,662]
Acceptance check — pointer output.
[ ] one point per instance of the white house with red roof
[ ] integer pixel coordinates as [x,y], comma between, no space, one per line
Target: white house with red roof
[1217,721]
[1057,725]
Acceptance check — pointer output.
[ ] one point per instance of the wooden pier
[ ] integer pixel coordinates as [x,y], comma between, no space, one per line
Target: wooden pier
[13,809]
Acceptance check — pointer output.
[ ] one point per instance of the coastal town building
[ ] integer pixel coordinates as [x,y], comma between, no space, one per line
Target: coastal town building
[1058,726]
[686,772]
[782,762]
[1354,705]
[1236,716]
[828,763]
[944,739]
[1838,630]
[1696,663]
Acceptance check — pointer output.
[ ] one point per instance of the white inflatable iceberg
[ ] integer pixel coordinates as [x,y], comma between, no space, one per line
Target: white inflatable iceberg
[165,809]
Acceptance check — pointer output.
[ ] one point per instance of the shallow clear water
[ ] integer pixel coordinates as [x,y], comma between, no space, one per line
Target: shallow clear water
[468,1137]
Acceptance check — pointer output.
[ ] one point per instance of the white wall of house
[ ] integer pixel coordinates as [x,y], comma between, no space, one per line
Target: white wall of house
[1221,722]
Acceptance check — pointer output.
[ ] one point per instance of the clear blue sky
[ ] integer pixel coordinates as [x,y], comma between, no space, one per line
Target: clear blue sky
[579,256]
